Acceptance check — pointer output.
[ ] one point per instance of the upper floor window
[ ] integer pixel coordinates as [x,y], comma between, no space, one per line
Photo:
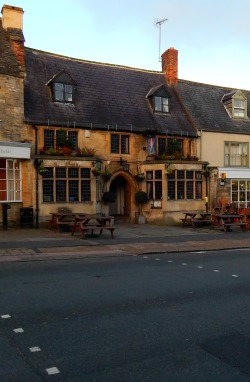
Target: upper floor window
[161,104]
[63,92]
[53,137]
[119,144]
[236,104]
[62,87]
[236,154]
[170,146]
[239,108]
[159,98]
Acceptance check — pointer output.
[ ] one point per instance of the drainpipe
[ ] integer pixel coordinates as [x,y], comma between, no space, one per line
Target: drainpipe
[36,164]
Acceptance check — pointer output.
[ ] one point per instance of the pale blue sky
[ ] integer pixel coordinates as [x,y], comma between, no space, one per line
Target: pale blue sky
[212,37]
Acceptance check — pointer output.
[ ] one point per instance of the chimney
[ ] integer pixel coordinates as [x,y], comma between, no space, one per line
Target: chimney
[12,22]
[170,65]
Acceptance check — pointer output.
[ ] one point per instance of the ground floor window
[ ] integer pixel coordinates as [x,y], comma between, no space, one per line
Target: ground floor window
[185,184]
[240,192]
[66,184]
[10,180]
[154,184]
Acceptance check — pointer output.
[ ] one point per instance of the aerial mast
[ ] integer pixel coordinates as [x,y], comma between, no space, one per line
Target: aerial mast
[158,24]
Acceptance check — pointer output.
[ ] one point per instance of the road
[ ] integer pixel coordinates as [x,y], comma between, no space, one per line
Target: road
[169,317]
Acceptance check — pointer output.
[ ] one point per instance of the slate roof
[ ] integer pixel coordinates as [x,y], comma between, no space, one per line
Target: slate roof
[106,96]
[8,61]
[208,113]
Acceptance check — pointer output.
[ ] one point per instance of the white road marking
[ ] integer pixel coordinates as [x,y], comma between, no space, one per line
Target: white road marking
[6,316]
[18,330]
[34,349]
[200,266]
[183,263]
[52,370]
[216,270]
[145,257]
[235,276]
[170,261]
[157,259]
[199,252]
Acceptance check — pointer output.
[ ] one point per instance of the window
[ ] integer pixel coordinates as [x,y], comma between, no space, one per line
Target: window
[240,192]
[239,108]
[51,137]
[10,180]
[119,144]
[236,154]
[66,184]
[154,184]
[170,146]
[63,92]
[185,184]
[161,104]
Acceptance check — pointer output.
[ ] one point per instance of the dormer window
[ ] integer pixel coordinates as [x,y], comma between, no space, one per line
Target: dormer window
[159,99]
[161,104]
[239,108]
[63,92]
[236,104]
[62,87]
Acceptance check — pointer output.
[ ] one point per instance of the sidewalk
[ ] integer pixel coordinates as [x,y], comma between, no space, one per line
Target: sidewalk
[28,244]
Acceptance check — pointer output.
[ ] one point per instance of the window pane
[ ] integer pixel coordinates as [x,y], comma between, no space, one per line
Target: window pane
[114,143]
[85,172]
[171,190]
[165,108]
[158,174]
[161,146]
[198,190]
[61,191]
[180,190]
[73,136]
[48,195]
[158,104]
[85,190]
[73,172]
[48,139]
[125,144]
[190,190]
[73,190]
[158,190]
[60,172]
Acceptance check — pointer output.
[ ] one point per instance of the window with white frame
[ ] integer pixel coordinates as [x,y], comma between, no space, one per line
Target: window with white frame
[185,184]
[10,180]
[236,154]
[66,184]
[240,192]
[239,108]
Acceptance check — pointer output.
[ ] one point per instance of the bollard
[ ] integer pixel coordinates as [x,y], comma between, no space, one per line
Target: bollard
[5,207]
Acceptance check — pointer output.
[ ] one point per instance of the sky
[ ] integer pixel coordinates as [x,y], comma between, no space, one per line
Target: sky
[212,37]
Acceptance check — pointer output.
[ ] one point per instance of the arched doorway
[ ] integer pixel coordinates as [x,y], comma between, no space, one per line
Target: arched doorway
[122,206]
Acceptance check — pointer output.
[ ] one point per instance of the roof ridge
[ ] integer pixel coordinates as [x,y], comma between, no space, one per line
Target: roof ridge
[94,62]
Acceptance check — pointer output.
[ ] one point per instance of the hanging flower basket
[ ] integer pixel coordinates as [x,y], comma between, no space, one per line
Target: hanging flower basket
[96,172]
[140,177]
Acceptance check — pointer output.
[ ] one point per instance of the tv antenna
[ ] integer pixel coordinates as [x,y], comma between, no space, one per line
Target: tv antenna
[158,24]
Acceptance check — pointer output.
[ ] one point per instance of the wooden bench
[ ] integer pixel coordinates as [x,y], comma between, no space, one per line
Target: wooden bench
[86,228]
[227,226]
[65,223]
[199,222]
[110,228]
[186,221]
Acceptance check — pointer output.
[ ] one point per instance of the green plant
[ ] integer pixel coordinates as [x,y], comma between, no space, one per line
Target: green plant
[88,152]
[96,171]
[140,176]
[106,175]
[68,143]
[109,197]
[141,197]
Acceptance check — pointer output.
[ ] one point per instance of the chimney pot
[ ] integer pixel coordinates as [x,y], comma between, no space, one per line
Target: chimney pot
[12,17]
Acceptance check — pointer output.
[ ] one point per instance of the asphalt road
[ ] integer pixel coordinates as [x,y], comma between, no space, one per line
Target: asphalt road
[174,318]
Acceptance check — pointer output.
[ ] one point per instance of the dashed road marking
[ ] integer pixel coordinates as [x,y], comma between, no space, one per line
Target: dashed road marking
[235,276]
[35,349]
[216,270]
[6,316]
[18,330]
[157,259]
[200,266]
[170,261]
[183,263]
[52,370]
[145,257]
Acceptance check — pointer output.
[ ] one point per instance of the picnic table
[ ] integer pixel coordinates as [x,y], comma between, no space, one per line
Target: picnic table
[228,220]
[196,218]
[63,219]
[89,223]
